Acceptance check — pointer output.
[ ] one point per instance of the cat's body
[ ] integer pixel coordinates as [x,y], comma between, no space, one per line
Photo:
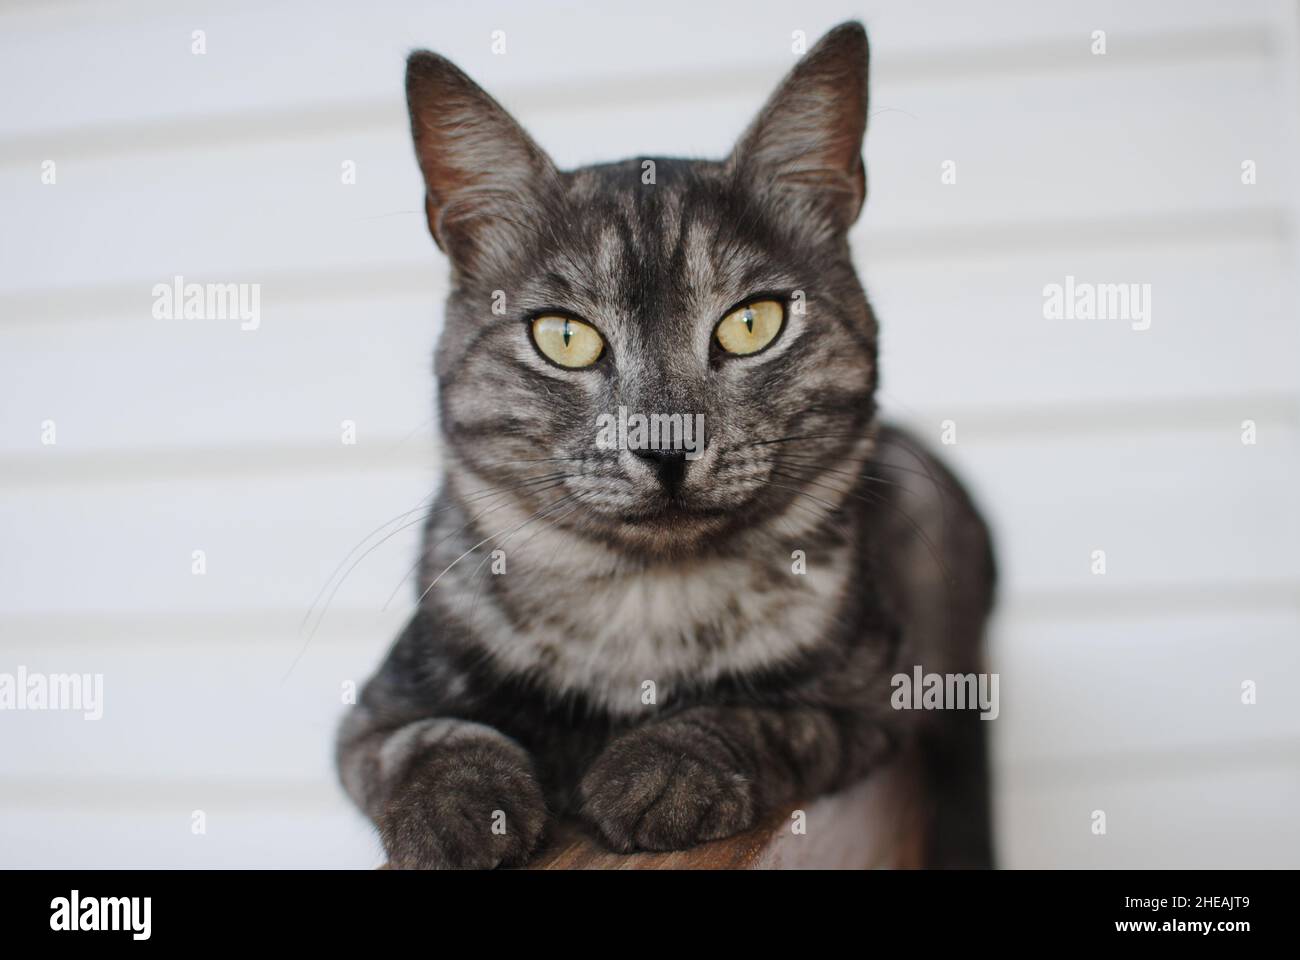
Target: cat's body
[669,648]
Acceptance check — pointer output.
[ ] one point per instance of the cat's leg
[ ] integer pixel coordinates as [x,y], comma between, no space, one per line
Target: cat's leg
[444,793]
[710,772]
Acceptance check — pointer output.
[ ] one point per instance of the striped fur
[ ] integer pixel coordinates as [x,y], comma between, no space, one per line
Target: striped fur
[670,664]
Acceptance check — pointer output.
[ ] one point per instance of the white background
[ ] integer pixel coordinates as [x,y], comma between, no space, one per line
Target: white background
[1120,692]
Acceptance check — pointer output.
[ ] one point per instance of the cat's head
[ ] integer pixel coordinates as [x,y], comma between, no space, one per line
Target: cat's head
[583,300]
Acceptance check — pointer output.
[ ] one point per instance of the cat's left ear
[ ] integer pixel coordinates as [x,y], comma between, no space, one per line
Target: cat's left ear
[483,174]
[804,149]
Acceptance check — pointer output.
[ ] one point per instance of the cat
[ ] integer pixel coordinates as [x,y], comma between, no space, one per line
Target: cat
[667,648]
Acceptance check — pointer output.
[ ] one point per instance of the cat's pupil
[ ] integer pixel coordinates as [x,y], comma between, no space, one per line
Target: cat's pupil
[566,333]
[749,320]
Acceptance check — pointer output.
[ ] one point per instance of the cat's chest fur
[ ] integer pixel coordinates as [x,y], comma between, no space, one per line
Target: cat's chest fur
[578,619]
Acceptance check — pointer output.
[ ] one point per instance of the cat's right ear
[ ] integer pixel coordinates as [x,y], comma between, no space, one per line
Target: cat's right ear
[804,149]
[482,172]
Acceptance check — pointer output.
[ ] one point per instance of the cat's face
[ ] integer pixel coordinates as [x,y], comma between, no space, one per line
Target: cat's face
[718,296]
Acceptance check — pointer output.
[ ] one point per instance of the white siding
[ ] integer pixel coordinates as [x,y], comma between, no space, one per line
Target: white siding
[1119,692]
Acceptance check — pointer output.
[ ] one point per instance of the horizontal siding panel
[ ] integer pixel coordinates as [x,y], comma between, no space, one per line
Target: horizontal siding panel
[1168,508]
[1133,147]
[1071,688]
[209,384]
[967,335]
[1210,815]
[39,837]
[248,709]
[270,542]
[302,54]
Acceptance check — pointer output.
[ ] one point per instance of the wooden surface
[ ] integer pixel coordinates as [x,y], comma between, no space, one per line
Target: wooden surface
[870,825]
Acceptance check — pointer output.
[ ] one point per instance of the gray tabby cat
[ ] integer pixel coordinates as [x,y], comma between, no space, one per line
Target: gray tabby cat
[764,592]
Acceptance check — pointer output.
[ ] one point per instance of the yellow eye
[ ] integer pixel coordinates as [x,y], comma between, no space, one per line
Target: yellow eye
[568,342]
[750,328]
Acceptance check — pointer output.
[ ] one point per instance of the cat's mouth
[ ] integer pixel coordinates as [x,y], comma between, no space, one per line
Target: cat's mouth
[673,528]
[672,511]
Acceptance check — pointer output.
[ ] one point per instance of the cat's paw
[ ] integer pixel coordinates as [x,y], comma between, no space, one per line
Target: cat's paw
[473,804]
[666,787]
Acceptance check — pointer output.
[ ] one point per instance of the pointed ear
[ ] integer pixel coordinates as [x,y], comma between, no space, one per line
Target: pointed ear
[483,175]
[804,149]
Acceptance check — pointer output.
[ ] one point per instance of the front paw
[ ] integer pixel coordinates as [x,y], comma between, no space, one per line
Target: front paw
[666,787]
[471,805]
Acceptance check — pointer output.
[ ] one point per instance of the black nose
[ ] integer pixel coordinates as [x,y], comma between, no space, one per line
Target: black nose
[669,466]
